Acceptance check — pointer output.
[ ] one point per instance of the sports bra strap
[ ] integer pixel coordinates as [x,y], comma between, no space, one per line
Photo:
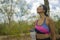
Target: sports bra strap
[43,22]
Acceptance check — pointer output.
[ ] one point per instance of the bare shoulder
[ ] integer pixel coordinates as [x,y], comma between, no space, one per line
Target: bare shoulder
[50,19]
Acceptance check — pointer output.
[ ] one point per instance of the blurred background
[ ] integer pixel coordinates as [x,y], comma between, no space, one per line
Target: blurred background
[18,16]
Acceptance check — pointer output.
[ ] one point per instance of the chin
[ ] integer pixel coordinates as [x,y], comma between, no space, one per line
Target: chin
[38,12]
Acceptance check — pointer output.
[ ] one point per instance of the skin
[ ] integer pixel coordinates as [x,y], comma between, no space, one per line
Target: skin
[49,22]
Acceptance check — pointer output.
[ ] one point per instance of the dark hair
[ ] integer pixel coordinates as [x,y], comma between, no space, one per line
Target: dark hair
[45,8]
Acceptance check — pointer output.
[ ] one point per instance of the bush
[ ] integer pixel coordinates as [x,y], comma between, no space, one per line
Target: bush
[57,26]
[14,28]
[21,27]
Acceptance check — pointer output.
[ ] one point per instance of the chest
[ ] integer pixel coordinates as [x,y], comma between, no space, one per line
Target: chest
[41,21]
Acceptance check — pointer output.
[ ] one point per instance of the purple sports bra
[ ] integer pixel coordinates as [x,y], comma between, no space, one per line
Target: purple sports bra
[42,28]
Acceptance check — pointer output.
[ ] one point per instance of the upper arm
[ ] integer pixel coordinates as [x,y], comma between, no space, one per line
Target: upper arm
[52,26]
[52,29]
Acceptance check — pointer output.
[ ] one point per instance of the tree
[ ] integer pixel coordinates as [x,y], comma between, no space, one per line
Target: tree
[7,10]
[46,2]
[11,7]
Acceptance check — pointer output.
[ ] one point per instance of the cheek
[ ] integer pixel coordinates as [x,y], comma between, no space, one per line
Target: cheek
[39,10]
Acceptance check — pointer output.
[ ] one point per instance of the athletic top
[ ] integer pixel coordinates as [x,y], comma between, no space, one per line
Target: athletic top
[43,28]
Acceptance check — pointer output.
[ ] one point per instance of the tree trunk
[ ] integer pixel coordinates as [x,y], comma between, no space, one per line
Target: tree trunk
[46,2]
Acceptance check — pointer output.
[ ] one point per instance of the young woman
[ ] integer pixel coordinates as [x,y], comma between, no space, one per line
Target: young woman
[44,27]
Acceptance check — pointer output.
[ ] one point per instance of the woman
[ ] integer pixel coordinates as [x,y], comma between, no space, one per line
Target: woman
[44,27]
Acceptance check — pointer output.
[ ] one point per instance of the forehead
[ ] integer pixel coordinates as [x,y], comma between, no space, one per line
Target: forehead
[40,6]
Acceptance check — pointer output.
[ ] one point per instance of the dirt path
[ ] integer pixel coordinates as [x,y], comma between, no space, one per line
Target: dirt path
[21,37]
[14,37]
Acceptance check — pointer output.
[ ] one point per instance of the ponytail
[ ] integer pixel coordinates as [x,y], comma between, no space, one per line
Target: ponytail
[45,8]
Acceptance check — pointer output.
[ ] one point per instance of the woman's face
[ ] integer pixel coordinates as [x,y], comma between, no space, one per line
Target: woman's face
[40,9]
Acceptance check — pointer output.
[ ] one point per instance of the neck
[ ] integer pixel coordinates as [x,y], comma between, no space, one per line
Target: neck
[42,15]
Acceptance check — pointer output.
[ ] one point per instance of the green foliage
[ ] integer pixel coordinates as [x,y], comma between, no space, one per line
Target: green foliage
[57,26]
[20,27]
[10,27]
[14,28]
